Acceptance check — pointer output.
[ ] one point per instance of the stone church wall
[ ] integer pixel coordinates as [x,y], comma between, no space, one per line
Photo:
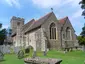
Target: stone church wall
[36,39]
[30,40]
[52,43]
[73,40]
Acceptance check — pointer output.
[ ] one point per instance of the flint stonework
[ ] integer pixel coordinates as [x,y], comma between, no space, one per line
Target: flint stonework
[48,32]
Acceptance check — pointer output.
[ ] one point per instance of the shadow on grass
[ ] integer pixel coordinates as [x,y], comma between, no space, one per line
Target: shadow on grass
[27,55]
[2,60]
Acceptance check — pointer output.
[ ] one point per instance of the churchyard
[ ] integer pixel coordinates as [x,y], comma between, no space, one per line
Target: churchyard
[73,57]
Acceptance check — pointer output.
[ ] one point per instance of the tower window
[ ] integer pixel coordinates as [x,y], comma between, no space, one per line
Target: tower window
[18,23]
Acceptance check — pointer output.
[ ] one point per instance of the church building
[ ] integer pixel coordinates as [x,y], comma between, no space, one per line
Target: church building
[48,32]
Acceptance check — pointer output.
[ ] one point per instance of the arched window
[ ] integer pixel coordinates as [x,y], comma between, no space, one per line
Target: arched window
[68,33]
[52,31]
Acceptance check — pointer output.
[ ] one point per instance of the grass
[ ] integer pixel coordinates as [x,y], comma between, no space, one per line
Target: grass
[12,59]
[74,57]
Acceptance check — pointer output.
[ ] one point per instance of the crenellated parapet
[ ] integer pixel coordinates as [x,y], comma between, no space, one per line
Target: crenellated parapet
[17,18]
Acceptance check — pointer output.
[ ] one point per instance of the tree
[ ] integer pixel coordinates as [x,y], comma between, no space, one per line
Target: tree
[83,31]
[81,38]
[2,34]
[82,2]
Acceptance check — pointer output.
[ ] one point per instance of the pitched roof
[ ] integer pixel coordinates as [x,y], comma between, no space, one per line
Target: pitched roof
[27,25]
[63,20]
[39,22]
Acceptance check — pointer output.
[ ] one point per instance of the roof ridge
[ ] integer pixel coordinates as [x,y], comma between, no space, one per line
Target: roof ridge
[30,21]
[39,22]
[64,17]
[44,16]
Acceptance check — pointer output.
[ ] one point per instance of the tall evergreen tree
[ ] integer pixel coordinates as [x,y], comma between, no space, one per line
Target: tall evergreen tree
[82,2]
[83,31]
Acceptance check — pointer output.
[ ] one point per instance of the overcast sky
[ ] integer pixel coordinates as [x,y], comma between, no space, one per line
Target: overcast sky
[29,9]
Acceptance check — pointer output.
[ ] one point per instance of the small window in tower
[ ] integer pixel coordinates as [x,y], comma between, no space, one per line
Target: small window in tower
[18,23]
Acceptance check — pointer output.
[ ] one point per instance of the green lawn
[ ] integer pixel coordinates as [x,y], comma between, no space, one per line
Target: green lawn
[12,59]
[75,57]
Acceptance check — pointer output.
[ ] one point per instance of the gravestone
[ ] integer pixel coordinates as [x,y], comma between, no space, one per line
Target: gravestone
[20,54]
[42,61]
[1,56]
[44,53]
[34,54]
[83,48]
[17,49]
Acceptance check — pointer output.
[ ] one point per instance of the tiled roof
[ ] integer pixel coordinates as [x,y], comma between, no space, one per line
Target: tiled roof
[63,20]
[39,22]
[27,25]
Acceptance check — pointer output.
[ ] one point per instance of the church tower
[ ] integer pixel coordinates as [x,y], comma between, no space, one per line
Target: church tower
[16,26]
[16,22]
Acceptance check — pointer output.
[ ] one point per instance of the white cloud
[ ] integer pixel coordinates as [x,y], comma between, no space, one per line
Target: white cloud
[52,3]
[73,3]
[77,14]
[12,3]
[5,26]
[46,3]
